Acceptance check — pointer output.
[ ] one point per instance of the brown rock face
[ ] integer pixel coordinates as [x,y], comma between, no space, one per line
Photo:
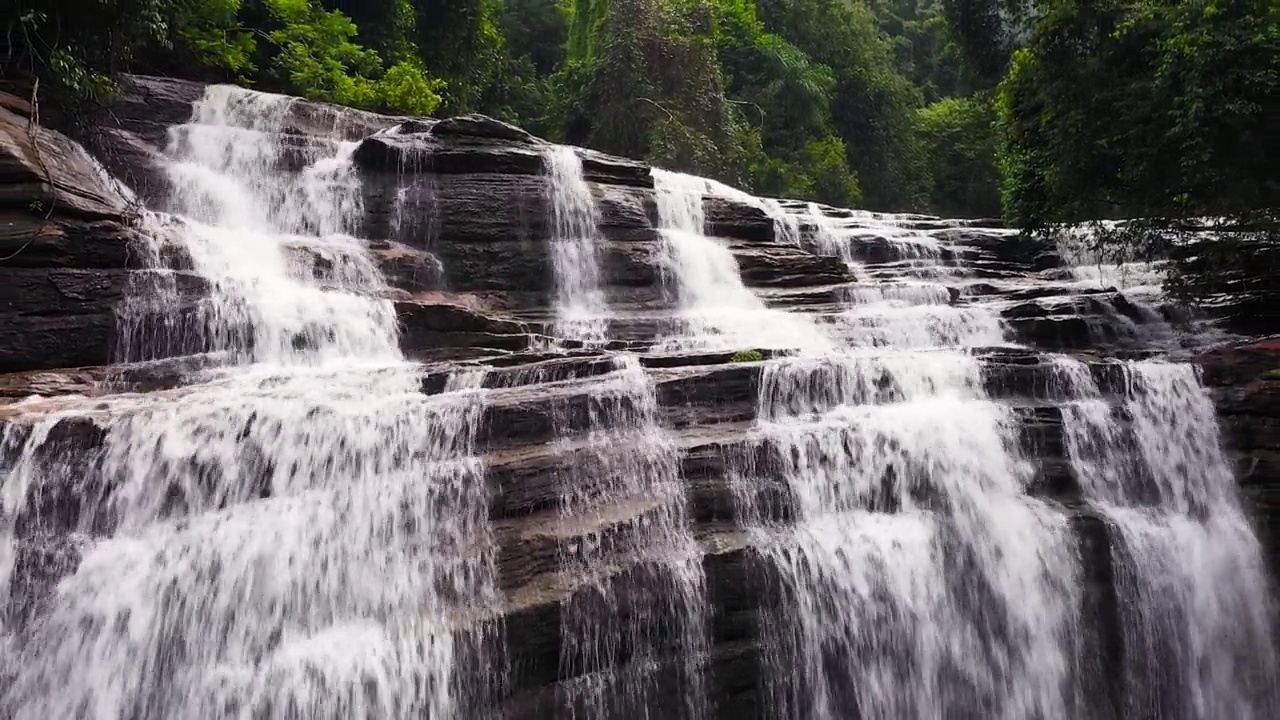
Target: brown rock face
[42,171]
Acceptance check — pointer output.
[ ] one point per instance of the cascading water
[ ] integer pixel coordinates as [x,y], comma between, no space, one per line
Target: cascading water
[580,301]
[635,570]
[1091,266]
[922,577]
[919,577]
[291,538]
[301,531]
[1196,609]
[255,232]
[906,307]
[718,312]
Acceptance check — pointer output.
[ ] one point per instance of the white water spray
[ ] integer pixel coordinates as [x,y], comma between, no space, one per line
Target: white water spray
[920,575]
[718,312]
[637,572]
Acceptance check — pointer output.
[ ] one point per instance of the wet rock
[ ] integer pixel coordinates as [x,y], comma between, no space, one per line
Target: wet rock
[1243,364]
[65,240]
[1242,295]
[735,219]
[427,327]
[783,266]
[481,126]
[407,268]
[44,173]
[476,144]
[131,136]
[59,289]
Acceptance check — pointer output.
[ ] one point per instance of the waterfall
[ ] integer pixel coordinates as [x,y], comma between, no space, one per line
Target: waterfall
[294,536]
[717,311]
[255,232]
[1196,609]
[826,235]
[580,301]
[918,576]
[895,509]
[636,573]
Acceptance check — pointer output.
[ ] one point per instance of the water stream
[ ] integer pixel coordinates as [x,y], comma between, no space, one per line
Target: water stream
[635,569]
[580,301]
[917,576]
[716,310]
[639,598]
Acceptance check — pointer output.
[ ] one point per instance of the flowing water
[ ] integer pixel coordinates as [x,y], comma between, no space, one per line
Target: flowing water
[1196,609]
[638,596]
[290,538]
[580,301]
[634,568]
[924,583]
[716,310]
[918,577]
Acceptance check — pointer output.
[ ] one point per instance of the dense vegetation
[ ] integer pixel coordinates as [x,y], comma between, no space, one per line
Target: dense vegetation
[1046,110]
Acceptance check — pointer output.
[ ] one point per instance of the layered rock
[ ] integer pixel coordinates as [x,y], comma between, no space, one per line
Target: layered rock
[65,234]
[709,408]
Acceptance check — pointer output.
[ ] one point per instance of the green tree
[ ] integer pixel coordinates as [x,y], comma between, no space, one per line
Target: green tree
[386,26]
[537,30]
[76,47]
[872,105]
[650,86]
[833,182]
[206,34]
[923,45]
[1142,107]
[959,137]
[786,91]
[460,44]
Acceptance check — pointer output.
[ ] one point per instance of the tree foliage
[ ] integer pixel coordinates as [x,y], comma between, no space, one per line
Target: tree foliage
[1073,109]
[959,136]
[1142,107]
